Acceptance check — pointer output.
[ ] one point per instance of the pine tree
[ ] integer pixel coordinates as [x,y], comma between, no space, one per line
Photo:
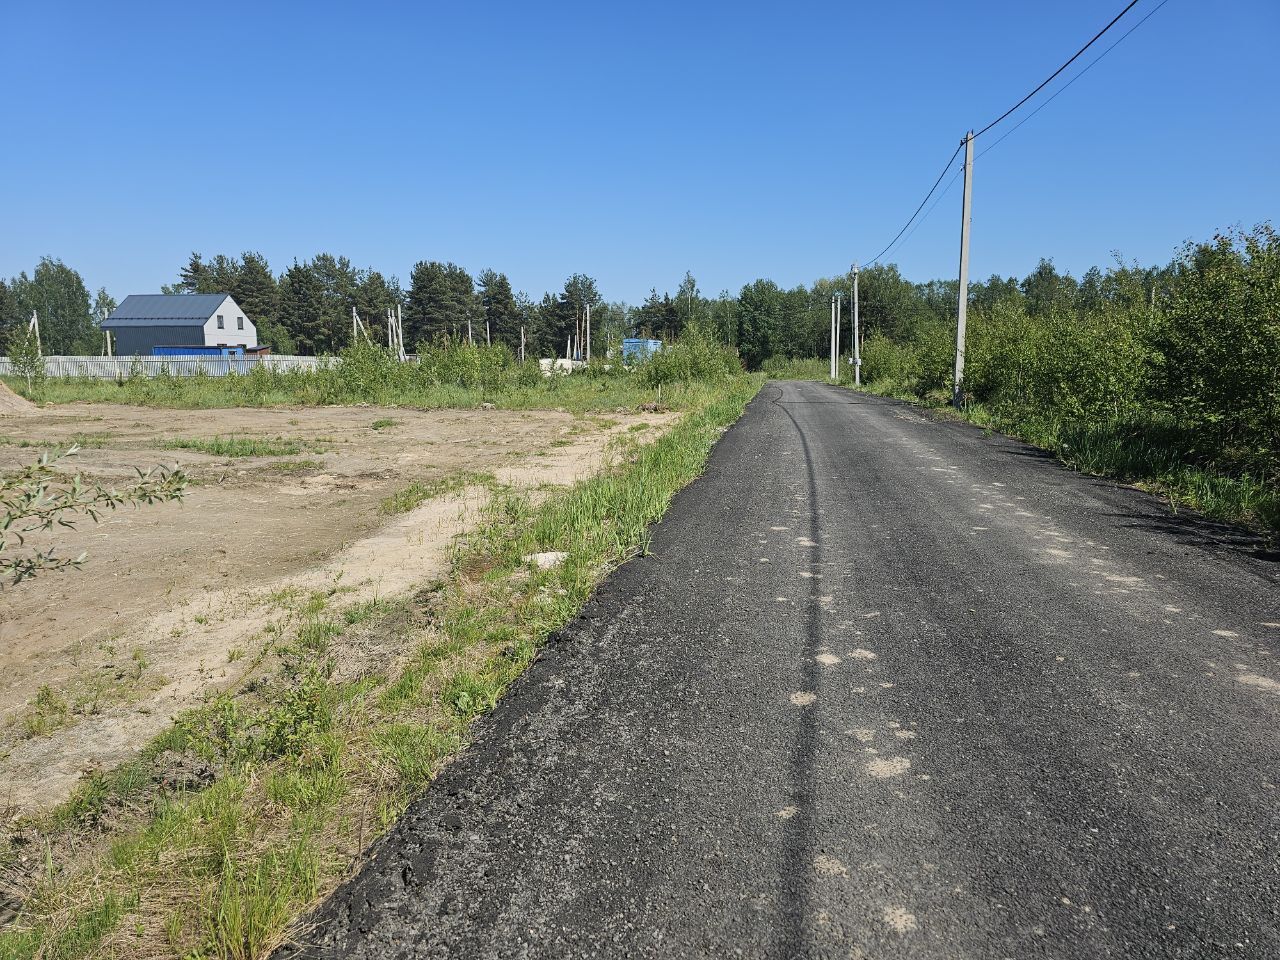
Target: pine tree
[302,308]
[255,288]
[499,309]
[194,277]
[441,299]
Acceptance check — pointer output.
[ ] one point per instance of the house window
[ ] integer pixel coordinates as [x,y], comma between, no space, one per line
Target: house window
[239,323]
[220,324]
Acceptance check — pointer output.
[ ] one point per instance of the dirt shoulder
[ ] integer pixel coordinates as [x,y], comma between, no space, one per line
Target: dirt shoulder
[168,608]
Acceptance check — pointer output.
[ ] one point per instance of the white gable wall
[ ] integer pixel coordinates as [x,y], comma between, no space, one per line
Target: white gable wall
[230,334]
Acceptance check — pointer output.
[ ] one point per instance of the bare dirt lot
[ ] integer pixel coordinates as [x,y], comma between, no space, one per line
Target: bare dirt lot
[95,662]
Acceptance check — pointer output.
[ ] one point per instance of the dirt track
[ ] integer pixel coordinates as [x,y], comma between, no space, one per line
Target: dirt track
[173,594]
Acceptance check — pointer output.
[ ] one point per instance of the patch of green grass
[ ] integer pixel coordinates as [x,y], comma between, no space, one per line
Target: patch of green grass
[383,423]
[247,912]
[236,446]
[85,441]
[360,612]
[420,491]
[315,634]
[415,752]
[47,713]
[405,387]
[294,466]
[80,938]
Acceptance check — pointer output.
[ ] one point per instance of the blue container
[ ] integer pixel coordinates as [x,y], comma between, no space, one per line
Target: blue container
[196,351]
[638,349]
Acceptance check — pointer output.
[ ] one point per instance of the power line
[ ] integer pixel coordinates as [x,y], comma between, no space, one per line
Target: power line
[877,257]
[1062,88]
[1073,59]
[945,190]
[1004,115]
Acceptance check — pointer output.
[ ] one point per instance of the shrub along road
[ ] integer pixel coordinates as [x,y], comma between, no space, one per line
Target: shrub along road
[884,687]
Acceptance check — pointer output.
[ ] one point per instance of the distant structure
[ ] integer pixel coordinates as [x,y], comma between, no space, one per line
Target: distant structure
[639,349]
[153,324]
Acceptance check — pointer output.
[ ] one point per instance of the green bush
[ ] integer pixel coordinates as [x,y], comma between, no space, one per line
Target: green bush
[1216,347]
[693,358]
[1170,377]
[886,361]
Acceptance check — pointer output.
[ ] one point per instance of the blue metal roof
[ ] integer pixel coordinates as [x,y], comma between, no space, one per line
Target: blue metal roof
[165,310]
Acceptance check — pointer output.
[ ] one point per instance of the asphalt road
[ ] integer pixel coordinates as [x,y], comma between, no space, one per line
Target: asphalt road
[885,687]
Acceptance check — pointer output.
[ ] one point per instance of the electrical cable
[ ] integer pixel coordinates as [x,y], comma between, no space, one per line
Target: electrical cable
[1004,115]
[945,190]
[1074,58]
[919,208]
[1074,79]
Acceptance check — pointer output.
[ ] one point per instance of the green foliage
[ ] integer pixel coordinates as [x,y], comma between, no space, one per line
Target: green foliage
[498,307]
[28,363]
[236,446]
[1167,377]
[1217,347]
[441,300]
[695,358]
[420,491]
[38,498]
[58,295]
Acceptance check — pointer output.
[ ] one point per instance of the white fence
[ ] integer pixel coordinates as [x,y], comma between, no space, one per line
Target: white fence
[120,368]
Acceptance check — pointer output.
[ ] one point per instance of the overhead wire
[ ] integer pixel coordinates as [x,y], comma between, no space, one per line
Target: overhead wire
[912,219]
[1074,58]
[950,161]
[1063,88]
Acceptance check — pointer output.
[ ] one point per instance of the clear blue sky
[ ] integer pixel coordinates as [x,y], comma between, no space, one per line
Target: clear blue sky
[630,142]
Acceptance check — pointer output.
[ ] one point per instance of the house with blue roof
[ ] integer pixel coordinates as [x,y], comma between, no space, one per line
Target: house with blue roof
[149,324]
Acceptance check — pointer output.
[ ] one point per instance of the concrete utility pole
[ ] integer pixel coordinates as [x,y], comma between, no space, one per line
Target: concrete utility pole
[839,306]
[522,343]
[833,338]
[957,391]
[588,322]
[857,347]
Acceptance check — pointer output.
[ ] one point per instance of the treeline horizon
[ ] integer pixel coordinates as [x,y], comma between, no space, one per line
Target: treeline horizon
[306,309]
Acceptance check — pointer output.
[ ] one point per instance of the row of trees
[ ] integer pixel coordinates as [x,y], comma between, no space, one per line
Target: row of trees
[308,308]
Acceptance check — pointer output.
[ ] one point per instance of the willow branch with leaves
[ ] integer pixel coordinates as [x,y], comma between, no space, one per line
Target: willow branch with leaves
[38,498]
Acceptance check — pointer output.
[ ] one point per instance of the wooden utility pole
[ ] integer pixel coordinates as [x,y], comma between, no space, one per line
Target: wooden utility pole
[962,312]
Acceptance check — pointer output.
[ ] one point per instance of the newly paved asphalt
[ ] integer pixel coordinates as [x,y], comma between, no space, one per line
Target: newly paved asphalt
[885,687]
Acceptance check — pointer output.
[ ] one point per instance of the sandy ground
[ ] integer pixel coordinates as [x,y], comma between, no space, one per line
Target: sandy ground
[173,596]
